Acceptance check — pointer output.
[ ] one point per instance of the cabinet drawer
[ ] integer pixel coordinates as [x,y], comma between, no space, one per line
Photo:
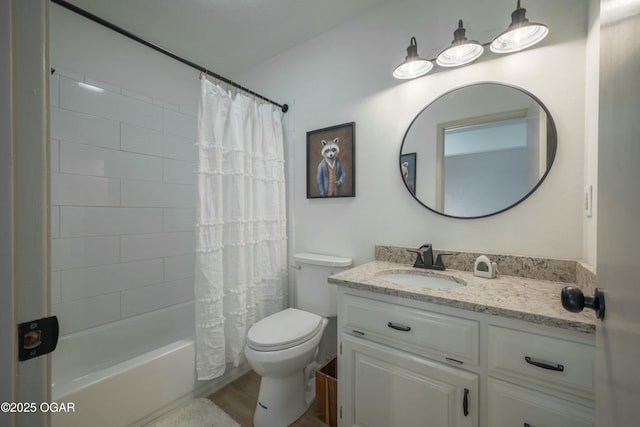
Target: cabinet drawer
[446,337]
[511,405]
[542,359]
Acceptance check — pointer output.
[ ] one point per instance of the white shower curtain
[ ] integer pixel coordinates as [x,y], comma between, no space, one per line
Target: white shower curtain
[241,273]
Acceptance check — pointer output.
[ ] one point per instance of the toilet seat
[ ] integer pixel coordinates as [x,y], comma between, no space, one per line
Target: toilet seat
[282,330]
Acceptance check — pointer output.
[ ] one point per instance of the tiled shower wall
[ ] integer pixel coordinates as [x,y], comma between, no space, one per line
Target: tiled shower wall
[123,202]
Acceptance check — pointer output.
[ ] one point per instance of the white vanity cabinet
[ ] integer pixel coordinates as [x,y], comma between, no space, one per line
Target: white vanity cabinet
[539,379]
[409,363]
[391,370]
[512,405]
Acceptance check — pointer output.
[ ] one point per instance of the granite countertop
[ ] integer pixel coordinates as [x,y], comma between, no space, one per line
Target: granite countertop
[531,300]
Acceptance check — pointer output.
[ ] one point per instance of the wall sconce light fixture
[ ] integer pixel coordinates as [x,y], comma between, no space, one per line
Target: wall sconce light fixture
[461,51]
[413,65]
[520,35]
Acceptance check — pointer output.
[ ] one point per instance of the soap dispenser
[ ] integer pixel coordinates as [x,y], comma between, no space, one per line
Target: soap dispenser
[483,267]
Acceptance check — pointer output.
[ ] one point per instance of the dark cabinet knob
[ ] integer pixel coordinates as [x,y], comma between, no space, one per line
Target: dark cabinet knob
[573,300]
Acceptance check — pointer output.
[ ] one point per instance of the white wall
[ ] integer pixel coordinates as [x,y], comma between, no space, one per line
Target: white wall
[7,344]
[24,196]
[123,209]
[345,75]
[591,130]
[123,198]
[87,48]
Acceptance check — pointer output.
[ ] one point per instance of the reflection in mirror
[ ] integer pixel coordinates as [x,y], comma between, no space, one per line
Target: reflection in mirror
[478,150]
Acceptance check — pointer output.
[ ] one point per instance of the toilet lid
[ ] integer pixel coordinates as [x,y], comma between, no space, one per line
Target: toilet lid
[284,329]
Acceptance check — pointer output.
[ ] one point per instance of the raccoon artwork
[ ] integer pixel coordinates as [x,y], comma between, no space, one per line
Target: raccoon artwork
[330,171]
[330,174]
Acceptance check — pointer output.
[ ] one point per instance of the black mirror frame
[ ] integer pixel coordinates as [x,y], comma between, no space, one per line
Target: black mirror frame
[551,153]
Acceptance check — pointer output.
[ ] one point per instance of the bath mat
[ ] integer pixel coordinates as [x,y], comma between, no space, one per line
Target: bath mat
[199,413]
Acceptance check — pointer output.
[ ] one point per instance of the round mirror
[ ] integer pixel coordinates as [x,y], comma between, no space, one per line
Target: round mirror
[478,150]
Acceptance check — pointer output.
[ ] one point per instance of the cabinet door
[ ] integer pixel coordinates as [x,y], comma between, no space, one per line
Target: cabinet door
[387,387]
[514,406]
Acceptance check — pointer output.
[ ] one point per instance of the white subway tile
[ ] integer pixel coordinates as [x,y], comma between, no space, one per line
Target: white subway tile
[137,95]
[87,160]
[55,221]
[75,316]
[190,110]
[54,290]
[157,245]
[181,124]
[102,84]
[152,194]
[54,160]
[84,190]
[97,221]
[111,206]
[141,140]
[84,129]
[86,282]
[181,148]
[54,90]
[179,267]
[138,166]
[166,105]
[149,298]
[108,104]
[178,219]
[179,172]
[148,141]
[68,73]
[84,252]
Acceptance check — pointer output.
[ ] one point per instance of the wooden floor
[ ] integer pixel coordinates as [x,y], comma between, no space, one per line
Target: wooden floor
[239,399]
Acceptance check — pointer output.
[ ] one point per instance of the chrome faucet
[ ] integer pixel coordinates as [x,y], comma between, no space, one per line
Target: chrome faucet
[424,258]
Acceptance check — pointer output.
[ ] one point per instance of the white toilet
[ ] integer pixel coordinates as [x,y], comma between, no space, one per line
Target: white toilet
[282,348]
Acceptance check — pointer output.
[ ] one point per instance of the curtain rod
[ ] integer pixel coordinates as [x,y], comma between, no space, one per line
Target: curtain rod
[111,26]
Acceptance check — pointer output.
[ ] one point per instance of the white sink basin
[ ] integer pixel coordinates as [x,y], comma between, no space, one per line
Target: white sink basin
[411,278]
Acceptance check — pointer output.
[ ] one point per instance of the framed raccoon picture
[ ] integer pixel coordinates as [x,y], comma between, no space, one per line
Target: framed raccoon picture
[331,155]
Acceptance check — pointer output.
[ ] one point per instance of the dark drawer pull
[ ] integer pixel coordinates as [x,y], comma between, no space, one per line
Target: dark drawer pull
[398,327]
[558,367]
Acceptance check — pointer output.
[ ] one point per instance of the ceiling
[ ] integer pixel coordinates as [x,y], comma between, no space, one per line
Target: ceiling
[229,36]
[233,37]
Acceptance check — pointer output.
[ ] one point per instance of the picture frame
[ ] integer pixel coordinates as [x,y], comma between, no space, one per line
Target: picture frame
[331,162]
[408,171]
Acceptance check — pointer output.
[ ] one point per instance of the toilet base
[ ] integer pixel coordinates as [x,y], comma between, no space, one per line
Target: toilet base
[282,400]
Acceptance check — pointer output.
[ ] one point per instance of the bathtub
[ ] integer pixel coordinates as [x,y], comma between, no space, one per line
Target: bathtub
[128,391]
[131,392]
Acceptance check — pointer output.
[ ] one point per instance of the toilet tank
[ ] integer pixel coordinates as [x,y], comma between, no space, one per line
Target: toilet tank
[313,292]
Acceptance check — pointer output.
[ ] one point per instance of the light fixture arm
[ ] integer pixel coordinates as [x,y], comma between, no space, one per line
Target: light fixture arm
[412,50]
[460,33]
[518,16]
